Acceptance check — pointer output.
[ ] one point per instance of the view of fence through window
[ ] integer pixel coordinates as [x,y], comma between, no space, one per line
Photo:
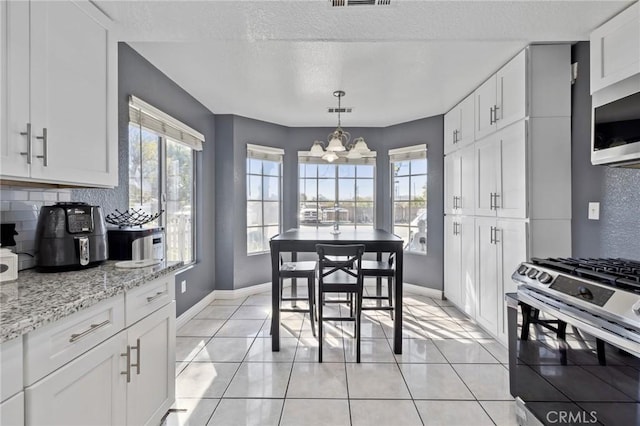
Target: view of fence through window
[158,165]
[331,193]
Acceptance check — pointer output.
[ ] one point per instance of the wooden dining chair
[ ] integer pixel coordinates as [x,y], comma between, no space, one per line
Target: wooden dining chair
[340,276]
[294,270]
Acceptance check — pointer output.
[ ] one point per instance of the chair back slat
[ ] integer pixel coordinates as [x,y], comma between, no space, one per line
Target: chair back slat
[352,265]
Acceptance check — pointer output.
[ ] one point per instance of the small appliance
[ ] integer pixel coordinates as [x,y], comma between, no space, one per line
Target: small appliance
[70,235]
[616,132]
[136,243]
[8,265]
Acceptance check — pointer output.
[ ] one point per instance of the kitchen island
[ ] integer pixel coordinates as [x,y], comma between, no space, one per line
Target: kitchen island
[95,346]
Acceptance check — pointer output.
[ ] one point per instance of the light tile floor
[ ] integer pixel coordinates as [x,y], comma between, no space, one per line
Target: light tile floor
[450,371]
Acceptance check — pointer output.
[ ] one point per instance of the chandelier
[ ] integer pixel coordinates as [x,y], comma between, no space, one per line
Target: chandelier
[338,144]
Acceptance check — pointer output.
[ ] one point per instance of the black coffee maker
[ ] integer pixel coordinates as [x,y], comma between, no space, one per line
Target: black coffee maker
[70,235]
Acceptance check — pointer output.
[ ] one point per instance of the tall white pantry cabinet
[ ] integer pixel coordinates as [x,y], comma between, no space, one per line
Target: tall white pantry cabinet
[508,188]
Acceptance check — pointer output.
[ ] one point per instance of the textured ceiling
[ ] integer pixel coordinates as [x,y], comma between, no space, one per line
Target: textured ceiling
[280,61]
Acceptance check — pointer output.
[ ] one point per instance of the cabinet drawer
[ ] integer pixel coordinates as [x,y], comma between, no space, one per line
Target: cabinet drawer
[10,368]
[54,345]
[143,300]
[12,411]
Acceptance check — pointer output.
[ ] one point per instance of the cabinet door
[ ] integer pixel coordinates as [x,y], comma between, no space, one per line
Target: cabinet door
[485,97]
[487,172]
[466,134]
[487,274]
[452,164]
[615,49]
[512,250]
[12,411]
[511,200]
[511,86]
[468,291]
[90,390]
[14,88]
[71,94]
[452,269]
[151,391]
[466,204]
[451,126]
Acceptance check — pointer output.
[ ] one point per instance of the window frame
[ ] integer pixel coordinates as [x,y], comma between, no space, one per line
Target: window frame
[162,190]
[305,158]
[404,154]
[263,153]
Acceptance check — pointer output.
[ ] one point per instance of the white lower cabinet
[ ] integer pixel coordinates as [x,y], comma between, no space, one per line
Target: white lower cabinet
[501,246]
[459,272]
[151,347]
[12,411]
[128,379]
[87,391]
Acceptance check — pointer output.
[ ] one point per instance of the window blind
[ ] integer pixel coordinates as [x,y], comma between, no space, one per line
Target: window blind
[414,152]
[260,152]
[150,117]
[306,157]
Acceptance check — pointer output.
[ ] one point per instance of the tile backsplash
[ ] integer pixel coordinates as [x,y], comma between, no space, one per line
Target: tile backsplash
[21,206]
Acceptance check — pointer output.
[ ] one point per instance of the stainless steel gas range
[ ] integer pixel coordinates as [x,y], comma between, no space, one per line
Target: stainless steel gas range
[574,341]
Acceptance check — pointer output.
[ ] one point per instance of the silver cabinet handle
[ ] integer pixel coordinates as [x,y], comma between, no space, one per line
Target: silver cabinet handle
[454,228]
[491,115]
[45,147]
[491,201]
[491,240]
[495,200]
[91,329]
[158,294]
[127,373]
[28,135]
[137,364]
[495,113]
[454,137]
[495,235]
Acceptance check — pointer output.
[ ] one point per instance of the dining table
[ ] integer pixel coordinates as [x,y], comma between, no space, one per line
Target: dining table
[304,240]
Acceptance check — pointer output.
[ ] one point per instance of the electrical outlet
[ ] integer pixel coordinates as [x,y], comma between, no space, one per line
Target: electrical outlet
[183,286]
[594,211]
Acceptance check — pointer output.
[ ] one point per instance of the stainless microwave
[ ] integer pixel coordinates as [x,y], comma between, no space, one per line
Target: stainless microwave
[616,133]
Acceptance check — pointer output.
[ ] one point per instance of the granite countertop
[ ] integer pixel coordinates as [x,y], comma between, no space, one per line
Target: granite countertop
[36,299]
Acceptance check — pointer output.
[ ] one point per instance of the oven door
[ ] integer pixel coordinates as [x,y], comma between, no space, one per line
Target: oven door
[578,380]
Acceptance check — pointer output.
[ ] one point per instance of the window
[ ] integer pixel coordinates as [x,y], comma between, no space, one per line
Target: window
[343,192]
[162,175]
[409,196]
[264,201]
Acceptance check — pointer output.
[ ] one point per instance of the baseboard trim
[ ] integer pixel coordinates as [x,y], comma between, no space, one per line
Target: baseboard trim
[424,291]
[219,294]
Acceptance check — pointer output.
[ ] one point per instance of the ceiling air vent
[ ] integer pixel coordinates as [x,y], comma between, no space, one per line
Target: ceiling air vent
[341,110]
[360,2]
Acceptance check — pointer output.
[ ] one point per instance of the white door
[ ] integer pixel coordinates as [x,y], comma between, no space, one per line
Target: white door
[468,290]
[451,126]
[88,391]
[466,134]
[487,171]
[466,203]
[452,164]
[12,411]
[511,85]
[485,100]
[488,280]
[512,250]
[511,200]
[14,88]
[452,270]
[151,391]
[70,95]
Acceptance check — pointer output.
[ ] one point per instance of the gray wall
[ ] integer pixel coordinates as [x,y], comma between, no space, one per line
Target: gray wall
[239,270]
[617,233]
[139,77]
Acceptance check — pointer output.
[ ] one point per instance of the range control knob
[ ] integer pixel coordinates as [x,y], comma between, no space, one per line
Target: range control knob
[585,293]
[522,269]
[545,278]
[533,273]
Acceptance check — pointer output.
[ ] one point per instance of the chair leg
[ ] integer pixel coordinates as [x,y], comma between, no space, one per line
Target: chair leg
[320,321]
[390,294]
[358,324]
[311,291]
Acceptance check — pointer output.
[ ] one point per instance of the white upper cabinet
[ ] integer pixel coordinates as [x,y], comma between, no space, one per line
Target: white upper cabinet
[61,95]
[458,125]
[501,100]
[615,49]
